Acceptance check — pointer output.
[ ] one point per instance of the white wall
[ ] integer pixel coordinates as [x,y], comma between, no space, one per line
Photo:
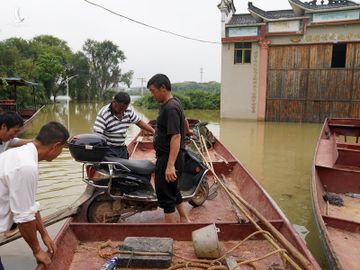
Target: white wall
[239,84]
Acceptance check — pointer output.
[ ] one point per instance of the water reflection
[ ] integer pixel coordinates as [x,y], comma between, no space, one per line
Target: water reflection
[279,155]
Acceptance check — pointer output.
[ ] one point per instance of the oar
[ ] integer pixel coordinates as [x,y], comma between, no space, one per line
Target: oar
[52,218]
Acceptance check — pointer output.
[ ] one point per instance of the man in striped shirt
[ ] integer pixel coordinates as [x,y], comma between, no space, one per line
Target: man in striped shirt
[113,121]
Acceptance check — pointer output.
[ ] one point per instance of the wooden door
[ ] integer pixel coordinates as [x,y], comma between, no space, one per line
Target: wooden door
[302,85]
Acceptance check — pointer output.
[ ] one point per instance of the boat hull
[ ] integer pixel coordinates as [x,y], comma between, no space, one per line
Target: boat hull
[336,171]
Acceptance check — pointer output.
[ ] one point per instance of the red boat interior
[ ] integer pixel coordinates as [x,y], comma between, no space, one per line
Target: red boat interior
[79,242]
[337,174]
[82,244]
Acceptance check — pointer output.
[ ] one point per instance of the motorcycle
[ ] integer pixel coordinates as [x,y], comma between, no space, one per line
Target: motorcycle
[123,187]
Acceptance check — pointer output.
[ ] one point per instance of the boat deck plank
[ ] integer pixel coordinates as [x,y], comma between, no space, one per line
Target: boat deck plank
[350,210]
[204,213]
[347,246]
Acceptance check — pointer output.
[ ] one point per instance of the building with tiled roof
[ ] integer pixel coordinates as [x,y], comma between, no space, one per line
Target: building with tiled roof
[298,64]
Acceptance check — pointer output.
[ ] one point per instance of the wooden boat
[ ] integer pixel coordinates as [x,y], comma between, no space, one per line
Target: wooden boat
[10,100]
[335,191]
[79,242]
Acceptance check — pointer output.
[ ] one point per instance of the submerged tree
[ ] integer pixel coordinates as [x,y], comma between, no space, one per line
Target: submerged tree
[104,58]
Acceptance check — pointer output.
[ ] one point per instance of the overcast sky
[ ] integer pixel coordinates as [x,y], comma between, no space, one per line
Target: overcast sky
[147,51]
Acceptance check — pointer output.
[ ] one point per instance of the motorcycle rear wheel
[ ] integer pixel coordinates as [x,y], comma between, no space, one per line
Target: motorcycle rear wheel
[201,195]
[101,210]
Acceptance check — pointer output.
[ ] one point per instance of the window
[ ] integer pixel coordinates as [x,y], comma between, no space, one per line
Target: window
[338,55]
[242,53]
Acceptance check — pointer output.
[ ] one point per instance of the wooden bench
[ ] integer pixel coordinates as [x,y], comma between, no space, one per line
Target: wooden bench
[339,180]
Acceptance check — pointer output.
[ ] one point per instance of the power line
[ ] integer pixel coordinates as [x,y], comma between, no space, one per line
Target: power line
[150,26]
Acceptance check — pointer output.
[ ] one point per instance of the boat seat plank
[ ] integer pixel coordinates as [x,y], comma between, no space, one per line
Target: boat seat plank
[180,232]
[348,158]
[339,180]
[348,150]
[345,129]
[347,145]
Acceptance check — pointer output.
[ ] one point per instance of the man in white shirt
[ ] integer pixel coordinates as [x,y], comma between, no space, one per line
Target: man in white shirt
[10,125]
[18,184]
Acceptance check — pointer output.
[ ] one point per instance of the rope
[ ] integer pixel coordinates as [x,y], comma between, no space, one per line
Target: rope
[189,263]
[260,258]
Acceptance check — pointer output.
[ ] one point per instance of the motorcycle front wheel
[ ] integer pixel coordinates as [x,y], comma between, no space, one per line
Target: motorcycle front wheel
[201,194]
[101,210]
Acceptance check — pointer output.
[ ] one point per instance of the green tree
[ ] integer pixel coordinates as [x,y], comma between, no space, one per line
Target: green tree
[49,69]
[104,58]
[51,58]
[80,89]
[16,58]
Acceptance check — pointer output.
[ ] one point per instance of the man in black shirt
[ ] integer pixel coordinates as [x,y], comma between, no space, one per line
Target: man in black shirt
[169,147]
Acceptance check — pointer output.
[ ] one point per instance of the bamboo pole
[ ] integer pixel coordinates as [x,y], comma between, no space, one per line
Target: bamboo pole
[234,196]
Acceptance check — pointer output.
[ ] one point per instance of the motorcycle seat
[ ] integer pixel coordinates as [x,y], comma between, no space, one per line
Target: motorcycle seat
[136,166]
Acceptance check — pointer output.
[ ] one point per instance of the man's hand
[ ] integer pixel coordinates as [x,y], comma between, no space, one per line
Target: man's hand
[42,257]
[49,243]
[170,173]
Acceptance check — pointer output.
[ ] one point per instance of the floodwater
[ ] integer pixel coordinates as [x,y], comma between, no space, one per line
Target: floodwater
[278,155]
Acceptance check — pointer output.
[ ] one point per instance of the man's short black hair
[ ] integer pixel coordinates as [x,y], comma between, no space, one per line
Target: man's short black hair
[11,119]
[122,97]
[52,132]
[159,80]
